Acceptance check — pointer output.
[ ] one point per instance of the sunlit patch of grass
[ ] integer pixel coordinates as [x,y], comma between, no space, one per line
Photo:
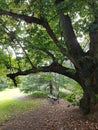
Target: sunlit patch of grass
[10,93]
[10,107]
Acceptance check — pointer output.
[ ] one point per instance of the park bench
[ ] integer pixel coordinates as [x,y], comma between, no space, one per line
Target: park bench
[53,99]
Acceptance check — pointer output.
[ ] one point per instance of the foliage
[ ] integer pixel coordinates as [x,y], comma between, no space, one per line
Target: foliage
[40,82]
[35,82]
[38,86]
[3,83]
[74,98]
[62,94]
[44,94]
[97,96]
[75,95]
[3,86]
[39,94]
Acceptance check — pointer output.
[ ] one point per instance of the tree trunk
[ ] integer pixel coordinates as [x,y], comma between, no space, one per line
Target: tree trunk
[87,102]
[90,89]
[51,87]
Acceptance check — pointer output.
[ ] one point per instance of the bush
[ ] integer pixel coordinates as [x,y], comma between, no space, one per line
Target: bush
[74,98]
[39,94]
[62,94]
[44,94]
[3,86]
[26,89]
[97,96]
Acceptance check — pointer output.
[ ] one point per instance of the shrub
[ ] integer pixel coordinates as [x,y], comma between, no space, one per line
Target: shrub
[74,98]
[3,86]
[62,94]
[26,89]
[39,94]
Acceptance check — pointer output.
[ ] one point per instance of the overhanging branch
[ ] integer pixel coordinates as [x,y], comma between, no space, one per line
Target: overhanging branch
[54,67]
[28,19]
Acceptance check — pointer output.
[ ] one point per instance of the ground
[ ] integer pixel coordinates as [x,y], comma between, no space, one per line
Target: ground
[49,116]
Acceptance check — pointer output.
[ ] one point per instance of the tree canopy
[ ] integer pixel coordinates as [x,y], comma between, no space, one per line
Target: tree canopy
[31,32]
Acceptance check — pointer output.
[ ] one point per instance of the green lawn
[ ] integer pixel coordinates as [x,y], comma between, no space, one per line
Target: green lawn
[10,107]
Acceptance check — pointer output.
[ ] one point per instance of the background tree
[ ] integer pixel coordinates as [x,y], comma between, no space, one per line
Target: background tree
[43,35]
[41,82]
[39,85]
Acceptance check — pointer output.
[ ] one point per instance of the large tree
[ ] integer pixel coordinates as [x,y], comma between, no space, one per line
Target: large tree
[42,35]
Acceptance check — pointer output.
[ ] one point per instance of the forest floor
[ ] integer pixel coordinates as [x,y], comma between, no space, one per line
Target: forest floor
[49,116]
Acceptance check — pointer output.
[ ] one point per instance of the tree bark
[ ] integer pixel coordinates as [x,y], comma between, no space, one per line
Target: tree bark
[90,88]
[88,101]
[51,87]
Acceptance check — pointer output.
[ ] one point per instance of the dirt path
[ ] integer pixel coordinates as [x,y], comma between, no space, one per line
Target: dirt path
[52,117]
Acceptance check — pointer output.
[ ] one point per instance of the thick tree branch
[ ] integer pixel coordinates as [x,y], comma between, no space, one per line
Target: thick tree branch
[54,67]
[69,35]
[72,44]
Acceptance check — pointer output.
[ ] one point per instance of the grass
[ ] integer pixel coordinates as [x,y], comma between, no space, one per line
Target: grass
[10,107]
